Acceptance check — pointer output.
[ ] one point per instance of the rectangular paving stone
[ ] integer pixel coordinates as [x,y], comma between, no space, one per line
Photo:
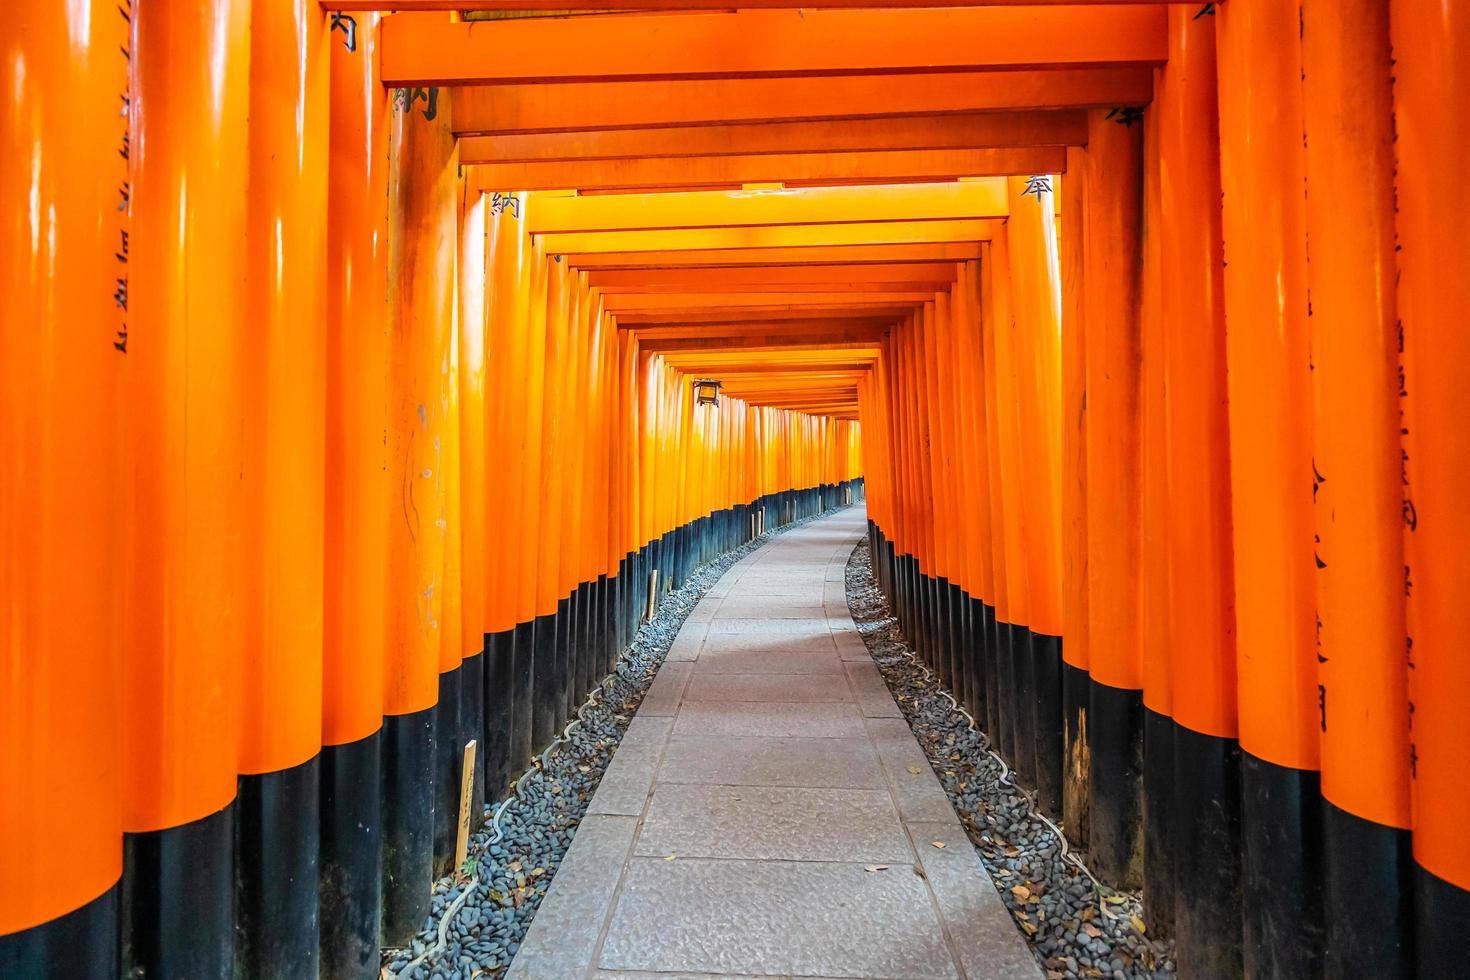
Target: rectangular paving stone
[873,696]
[562,940]
[775,918]
[753,718]
[666,690]
[687,644]
[768,662]
[980,927]
[804,626]
[625,786]
[768,687]
[770,608]
[781,586]
[645,732]
[766,761]
[915,787]
[766,823]
[850,646]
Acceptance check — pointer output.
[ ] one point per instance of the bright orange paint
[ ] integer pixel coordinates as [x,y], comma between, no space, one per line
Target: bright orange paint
[284,373]
[60,537]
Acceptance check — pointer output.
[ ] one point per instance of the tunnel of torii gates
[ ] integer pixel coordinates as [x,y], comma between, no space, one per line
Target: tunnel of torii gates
[347,415]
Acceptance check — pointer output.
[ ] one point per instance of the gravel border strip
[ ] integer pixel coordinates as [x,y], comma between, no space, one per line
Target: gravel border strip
[1075,927]
[479,918]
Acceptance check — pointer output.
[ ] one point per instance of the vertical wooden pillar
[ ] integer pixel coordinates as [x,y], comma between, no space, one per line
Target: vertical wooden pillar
[470,340]
[1036,274]
[284,369]
[421,247]
[1016,526]
[66,149]
[1431,57]
[188,337]
[1112,283]
[1201,622]
[1270,392]
[1075,680]
[1002,731]
[449,738]
[1155,583]
[1347,103]
[503,247]
[358,509]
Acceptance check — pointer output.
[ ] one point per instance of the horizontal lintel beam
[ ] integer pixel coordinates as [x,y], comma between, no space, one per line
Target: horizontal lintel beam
[730,172]
[958,131]
[431,49]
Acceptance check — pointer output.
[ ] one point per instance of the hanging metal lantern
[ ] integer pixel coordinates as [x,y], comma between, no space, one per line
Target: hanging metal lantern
[706,392]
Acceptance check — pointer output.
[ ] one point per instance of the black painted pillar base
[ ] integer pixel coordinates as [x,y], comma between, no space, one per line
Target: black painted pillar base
[1158,835]
[472,729]
[523,667]
[561,689]
[448,761]
[499,659]
[1046,660]
[1024,714]
[408,824]
[990,650]
[277,847]
[1115,784]
[1281,846]
[1076,695]
[1441,910]
[1206,849]
[1004,733]
[351,900]
[1368,892]
[81,943]
[545,704]
[178,899]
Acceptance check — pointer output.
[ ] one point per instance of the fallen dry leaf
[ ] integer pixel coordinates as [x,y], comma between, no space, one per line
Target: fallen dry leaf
[1138,924]
[876,867]
[915,770]
[671,857]
[937,843]
[1021,892]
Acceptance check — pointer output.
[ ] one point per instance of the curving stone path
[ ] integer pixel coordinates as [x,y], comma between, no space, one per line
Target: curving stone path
[768,812]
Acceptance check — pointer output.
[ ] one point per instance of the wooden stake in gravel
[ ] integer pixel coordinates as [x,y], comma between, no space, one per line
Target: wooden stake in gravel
[466,791]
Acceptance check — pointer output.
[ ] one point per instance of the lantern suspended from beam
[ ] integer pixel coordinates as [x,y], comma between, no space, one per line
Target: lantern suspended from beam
[706,392]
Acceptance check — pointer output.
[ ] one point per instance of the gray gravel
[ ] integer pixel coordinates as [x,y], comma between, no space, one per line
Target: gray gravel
[1075,928]
[507,875]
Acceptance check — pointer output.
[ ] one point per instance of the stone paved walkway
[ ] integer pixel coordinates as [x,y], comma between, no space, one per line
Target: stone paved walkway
[768,812]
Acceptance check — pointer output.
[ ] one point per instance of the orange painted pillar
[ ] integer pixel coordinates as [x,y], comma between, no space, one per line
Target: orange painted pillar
[975,456]
[1075,681]
[1112,284]
[284,374]
[188,337]
[1036,275]
[449,735]
[1015,528]
[421,247]
[538,508]
[549,670]
[1003,728]
[1201,614]
[1271,452]
[1347,103]
[1155,586]
[1431,58]
[470,399]
[67,151]
[358,498]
